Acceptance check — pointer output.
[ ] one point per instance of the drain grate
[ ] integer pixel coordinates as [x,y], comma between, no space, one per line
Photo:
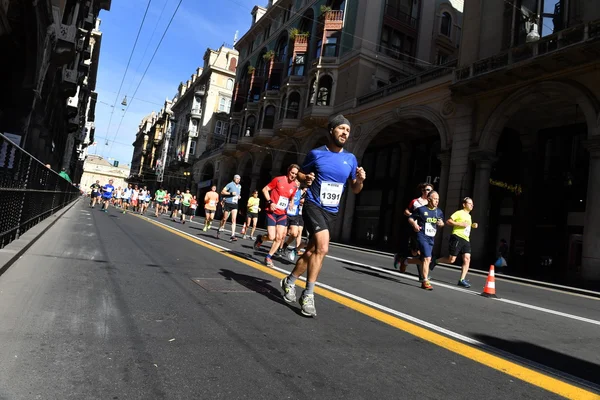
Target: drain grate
[230,285]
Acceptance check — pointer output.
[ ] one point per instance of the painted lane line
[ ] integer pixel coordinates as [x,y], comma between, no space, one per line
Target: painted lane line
[458,289]
[474,350]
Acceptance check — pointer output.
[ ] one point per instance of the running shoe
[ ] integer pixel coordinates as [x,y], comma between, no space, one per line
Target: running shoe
[269,262]
[252,237]
[257,243]
[289,291]
[205,228]
[307,301]
[397,261]
[183,222]
[291,255]
[209,225]
[245,237]
[464,283]
[301,252]
[426,285]
[221,229]
[233,238]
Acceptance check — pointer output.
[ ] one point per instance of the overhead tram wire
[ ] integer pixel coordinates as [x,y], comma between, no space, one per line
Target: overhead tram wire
[127,68]
[145,71]
[148,45]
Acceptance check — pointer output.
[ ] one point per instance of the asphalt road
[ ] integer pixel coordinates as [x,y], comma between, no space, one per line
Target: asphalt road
[114,306]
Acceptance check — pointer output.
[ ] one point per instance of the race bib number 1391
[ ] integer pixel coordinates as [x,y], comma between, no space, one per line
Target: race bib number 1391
[331,193]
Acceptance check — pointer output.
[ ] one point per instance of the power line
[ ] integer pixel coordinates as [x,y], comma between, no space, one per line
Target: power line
[127,68]
[147,67]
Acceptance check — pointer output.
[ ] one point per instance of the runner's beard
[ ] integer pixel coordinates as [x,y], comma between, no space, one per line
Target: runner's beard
[337,142]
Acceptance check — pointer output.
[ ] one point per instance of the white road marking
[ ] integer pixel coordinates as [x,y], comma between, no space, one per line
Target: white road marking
[414,278]
[421,322]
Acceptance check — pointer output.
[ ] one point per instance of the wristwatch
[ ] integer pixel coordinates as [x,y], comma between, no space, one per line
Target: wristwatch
[270,201]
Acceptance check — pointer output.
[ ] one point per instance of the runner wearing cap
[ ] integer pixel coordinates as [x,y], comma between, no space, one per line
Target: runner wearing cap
[231,199]
[326,170]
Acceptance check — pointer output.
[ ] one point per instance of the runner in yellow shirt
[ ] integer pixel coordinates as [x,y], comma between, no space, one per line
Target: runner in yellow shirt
[459,242]
[252,210]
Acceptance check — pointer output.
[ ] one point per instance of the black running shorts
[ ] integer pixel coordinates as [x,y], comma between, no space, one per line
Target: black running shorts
[316,219]
[458,245]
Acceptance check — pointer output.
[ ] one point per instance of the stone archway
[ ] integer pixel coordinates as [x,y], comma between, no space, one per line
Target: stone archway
[207,179]
[286,155]
[367,133]
[590,107]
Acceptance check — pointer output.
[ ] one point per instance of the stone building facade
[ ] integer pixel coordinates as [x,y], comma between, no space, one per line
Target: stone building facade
[96,168]
[49,79]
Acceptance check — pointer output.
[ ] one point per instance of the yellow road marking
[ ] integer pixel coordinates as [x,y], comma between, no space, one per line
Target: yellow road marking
[508,367]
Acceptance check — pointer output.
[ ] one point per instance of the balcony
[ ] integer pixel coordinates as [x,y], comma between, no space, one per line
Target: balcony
[301,43]
[66,37]
[295,80]
[196,113]
[192,133]
[272,94]
[73,105]
[286,126]
[73,123]
[263,135]
[317,116]
[244,142]
[568,48]
[400,20]
[333,20]
[69,82]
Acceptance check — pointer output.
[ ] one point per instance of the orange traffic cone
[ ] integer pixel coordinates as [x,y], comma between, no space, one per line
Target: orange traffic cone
[489,290]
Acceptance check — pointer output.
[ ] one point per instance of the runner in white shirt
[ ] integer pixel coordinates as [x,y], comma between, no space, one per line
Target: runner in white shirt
[127,198]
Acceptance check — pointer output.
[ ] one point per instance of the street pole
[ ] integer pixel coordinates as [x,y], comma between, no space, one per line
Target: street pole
[165,148]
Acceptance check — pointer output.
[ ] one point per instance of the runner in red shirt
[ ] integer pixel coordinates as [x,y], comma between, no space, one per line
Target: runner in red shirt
[279,193]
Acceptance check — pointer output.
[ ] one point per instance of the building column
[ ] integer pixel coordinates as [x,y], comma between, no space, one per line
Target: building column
[590,268]
[481,194]
[254,182]
[442,190]
[347,216]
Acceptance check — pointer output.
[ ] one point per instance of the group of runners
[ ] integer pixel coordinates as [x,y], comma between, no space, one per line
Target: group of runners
[308,198]
[424,218]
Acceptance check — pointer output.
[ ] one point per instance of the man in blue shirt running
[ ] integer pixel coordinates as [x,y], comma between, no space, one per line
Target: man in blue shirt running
[326,171]
[107,192]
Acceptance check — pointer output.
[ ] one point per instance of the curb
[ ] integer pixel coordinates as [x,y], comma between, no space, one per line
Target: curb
[15,249]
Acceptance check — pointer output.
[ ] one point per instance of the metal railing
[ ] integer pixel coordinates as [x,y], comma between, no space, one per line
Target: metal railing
[29,192]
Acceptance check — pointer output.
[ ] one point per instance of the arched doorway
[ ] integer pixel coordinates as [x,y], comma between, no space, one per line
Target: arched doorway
[538,187]
[207,179]
[397,159]
[245,171]
[265,176]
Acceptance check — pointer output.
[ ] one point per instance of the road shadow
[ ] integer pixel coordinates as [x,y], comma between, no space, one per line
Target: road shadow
[263,252]
[375,274]
[260,286]
[576,367]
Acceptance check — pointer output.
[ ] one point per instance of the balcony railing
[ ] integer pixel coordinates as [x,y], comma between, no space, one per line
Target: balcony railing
[333,20]
[30,192]
[545,46]
[412,81]
[301,43]
[395,13]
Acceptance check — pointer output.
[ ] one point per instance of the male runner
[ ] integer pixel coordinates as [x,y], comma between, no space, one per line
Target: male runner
[127,192]
[278,193]
[459,242]
[143,200]
[107,191]
[232,196]
[330,167]
[295,225]
[425,221]
[399,260]
[118,196]
[159,198]
[135,194]
[211,199]
[252,210]
[176,207]
[95,193]
[186,201]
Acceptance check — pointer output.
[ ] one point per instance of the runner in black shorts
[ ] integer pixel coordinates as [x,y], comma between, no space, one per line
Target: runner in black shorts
[326,170]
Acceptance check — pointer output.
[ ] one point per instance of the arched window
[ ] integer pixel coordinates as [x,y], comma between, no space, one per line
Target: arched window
[269,119]
[293,106]
[283,107]
[250,125]
[446,27]
[219,128]
[229,84]
[324,92]
[235,133]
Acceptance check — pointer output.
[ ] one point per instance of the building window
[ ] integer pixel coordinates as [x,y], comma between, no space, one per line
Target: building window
[219,128]
[269,119]
[224,104]
[283,107]
[293,106]
[394,44]
[229,84]
[250,125]
[446,28]
[330,47]
[192,147]
[324,92]
[296,66]
[442,58]
[235,132]
[267,32]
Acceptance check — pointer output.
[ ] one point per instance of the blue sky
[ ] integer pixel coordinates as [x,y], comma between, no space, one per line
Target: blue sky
[198,24]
